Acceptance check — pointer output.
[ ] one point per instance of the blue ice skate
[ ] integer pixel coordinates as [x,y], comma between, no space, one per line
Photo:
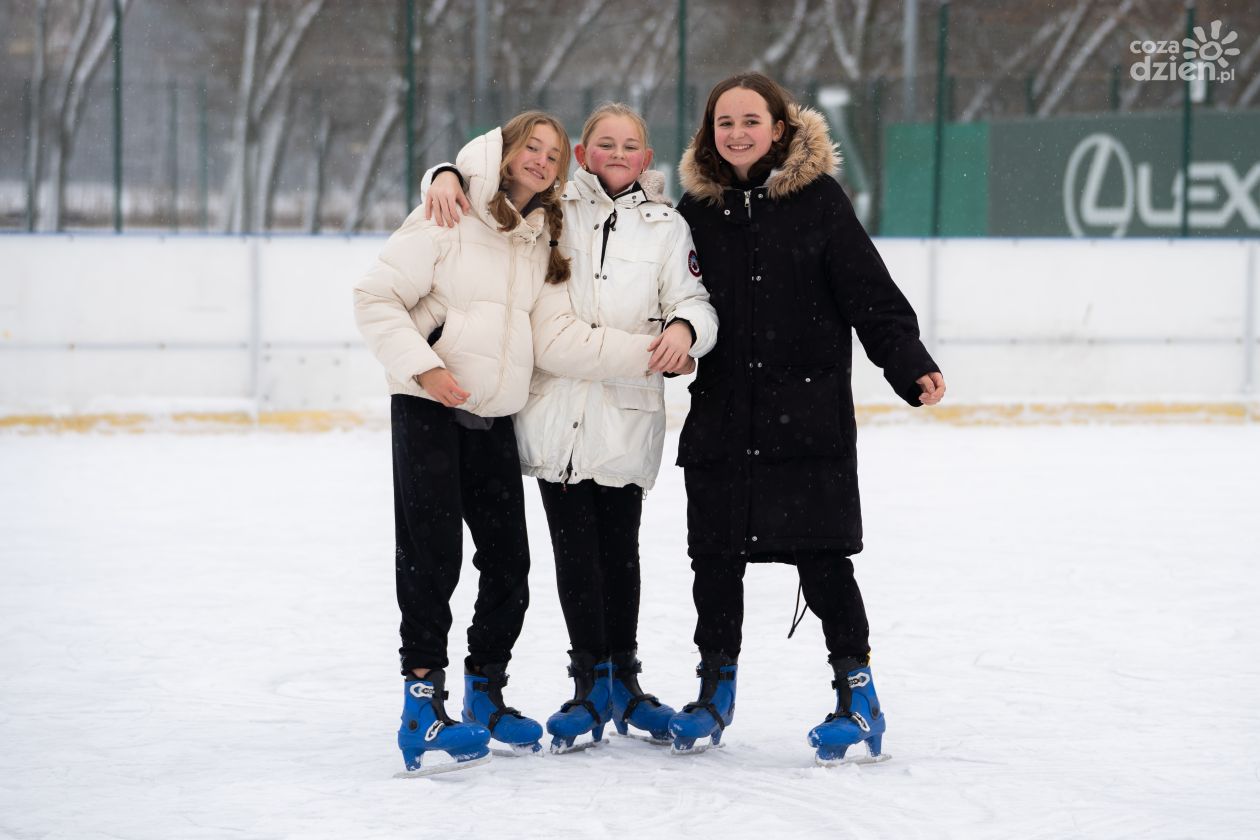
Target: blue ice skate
[483,704]
[427,729]
[712,712]
[857,718]
[589,710]
[631,706]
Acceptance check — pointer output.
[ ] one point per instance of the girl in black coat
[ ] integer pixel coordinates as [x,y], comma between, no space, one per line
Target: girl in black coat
[769,446]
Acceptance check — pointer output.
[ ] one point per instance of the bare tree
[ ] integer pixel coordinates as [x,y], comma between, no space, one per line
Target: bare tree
[1019,57]
[387,121]
[1064,80]
[315,180]
[266,65]
[93,33]
[569,34]
[1248,94]
[35,143]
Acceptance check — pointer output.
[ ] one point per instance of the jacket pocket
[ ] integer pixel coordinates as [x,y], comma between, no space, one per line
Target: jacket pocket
[798,410]
[629,284]
[448,334]
[701,438]
[634,397]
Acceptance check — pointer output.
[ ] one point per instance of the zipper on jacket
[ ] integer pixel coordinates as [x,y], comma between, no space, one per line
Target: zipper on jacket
[610,224]
[748,202]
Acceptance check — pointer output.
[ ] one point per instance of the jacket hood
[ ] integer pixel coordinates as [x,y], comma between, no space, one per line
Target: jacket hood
[479,162]
[810,155]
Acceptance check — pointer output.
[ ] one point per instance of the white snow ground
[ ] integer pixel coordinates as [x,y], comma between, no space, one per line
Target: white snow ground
[199,642]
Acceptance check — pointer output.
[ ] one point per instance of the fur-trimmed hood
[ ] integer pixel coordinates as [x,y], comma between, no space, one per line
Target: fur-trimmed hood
[810,155]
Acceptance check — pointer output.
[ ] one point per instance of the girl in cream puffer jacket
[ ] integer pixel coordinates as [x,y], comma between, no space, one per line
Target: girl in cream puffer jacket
[491,287]
[595,446]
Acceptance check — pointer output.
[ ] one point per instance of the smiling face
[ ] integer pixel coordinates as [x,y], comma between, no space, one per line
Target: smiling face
[536,166]
[615,152]
[743,129]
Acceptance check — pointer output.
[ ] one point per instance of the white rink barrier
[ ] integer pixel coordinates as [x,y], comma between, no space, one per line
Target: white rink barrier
[101,328]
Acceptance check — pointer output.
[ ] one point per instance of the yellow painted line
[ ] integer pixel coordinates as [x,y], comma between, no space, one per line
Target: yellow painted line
[1024,414]
[1029,414]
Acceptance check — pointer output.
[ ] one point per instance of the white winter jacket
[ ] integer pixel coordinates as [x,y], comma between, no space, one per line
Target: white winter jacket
[486,289]
[613,431]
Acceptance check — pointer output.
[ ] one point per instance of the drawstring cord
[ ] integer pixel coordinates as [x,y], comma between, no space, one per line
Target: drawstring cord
[796,621]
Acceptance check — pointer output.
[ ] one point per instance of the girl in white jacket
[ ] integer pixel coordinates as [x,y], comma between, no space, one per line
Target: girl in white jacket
[595,447]
[453,315]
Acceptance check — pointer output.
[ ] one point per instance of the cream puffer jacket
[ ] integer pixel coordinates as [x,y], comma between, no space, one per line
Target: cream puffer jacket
[486,289]
[613,431]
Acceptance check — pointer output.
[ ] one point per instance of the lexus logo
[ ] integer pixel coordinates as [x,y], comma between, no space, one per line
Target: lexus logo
[1217,192]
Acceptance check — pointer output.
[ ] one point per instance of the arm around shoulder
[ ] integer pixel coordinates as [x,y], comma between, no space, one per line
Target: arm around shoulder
[566,346]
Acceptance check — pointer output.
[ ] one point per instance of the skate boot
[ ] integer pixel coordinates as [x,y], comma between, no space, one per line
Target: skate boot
[632,706]
[591,706]
[712,712]
[483,704]
[857,717]
[426,728]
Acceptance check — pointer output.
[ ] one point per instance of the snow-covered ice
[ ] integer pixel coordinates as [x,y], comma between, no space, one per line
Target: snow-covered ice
[199,634]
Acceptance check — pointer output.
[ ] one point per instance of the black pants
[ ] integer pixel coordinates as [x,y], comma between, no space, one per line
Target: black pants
[595,538]
[826,581]
[445,475]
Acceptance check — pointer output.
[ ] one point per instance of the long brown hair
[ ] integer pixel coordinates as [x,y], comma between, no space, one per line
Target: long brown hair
[516,133]
[779,102]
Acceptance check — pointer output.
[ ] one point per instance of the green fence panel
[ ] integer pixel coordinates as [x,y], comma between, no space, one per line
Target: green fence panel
[907,196]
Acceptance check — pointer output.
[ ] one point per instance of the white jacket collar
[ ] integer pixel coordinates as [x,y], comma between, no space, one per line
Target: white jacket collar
[586,187]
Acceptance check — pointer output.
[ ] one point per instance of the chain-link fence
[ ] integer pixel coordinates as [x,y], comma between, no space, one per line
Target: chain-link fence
[301,115]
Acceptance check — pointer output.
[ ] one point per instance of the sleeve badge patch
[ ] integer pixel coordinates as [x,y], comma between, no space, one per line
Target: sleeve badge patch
[693,264]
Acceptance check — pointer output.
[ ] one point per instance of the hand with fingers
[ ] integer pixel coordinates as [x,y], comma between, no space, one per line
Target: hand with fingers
[445,200]
[441,385]
[933,385]
[669,349]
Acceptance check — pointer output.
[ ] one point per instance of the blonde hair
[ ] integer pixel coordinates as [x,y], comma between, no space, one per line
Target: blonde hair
[516,133]
[613,109]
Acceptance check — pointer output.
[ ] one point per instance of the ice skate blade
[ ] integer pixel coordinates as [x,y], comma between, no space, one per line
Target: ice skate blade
[447,767]
[660,742]
[859,759]
[561,749]
[696,749]
[516,750]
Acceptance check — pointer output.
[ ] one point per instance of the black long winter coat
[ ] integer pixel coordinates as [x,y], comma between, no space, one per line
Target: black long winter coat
[769,446]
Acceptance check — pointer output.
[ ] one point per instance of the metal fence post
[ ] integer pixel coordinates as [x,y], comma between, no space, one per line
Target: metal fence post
[203,152]
[28,119]
[118,117]
[1187,116]
[409,116]
[680,138]
[173,153]
[939,141]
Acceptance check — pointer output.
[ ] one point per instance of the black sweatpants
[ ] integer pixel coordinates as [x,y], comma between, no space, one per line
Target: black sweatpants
[827,583]
[595,539]
[445,475]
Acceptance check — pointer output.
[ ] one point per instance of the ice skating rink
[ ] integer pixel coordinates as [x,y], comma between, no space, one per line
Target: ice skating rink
[199,635]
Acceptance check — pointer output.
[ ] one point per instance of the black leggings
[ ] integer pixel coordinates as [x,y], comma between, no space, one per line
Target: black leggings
[595,538]
[445,475]
[826,581]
